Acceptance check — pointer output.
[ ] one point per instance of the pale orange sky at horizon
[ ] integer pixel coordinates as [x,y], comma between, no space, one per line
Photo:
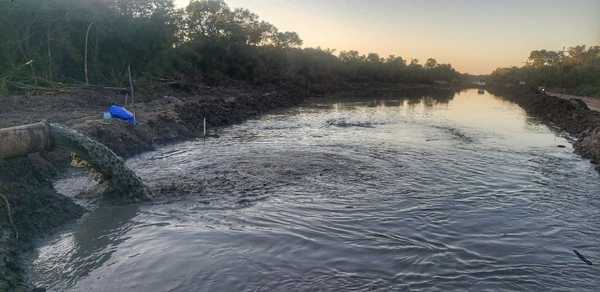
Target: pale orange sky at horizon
[474,36]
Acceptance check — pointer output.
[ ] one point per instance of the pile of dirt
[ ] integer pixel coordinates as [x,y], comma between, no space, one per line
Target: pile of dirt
[30,209]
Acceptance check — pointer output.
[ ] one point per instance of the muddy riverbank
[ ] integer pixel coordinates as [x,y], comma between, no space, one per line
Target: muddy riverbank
[356,194]
[176,117]
[570,115]
[164,117]
[31,207]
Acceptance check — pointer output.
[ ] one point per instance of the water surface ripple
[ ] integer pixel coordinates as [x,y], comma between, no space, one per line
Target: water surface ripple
[434,194]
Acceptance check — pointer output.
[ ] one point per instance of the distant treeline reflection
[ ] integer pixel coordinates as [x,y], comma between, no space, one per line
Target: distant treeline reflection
[394,97]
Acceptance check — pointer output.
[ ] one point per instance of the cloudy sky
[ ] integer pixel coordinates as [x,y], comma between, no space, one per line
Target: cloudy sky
[476,36]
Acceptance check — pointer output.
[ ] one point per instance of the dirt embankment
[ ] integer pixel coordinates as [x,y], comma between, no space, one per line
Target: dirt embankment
[173,116]
[570,115]
[162,119]
[30,208]
[592,102]
[29,205]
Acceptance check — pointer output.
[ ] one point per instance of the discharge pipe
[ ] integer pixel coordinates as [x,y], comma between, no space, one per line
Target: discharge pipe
[22,140]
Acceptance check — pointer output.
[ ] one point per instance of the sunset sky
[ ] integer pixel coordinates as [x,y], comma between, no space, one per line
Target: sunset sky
[475,36]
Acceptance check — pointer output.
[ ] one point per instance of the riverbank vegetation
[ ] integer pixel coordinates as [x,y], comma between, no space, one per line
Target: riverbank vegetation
[575,70]
[68,43]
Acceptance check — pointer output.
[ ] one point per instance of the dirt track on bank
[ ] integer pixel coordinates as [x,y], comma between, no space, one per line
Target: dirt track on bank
[592,102]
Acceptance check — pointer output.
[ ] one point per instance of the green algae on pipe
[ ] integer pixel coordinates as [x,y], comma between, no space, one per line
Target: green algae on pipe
[125,185]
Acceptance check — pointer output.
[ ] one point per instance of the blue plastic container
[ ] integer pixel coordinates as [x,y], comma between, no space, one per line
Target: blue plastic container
[119,112]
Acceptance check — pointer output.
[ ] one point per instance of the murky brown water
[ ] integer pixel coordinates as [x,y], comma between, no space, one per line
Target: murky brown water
[460,192]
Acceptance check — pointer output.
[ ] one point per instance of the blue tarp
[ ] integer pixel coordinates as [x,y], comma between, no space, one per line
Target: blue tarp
[119,112]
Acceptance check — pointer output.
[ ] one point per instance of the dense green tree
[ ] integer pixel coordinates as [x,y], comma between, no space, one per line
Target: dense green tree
[286,39]
[351,57]
[543,58]
[576,70]
[431,63]
[96,41]
[395,61]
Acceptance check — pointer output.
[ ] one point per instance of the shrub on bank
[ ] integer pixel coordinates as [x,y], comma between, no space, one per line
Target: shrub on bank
[53,42]
[576,71]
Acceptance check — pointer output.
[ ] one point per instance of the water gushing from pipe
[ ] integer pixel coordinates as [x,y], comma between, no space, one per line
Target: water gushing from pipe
[124,183]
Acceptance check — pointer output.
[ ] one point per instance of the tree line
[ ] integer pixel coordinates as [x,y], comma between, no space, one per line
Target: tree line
[575,70]
[55,42]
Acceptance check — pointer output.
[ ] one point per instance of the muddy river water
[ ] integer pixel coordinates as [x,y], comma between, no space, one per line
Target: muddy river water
[452,192]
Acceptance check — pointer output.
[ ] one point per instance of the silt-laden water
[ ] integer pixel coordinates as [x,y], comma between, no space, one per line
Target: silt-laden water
[461,192]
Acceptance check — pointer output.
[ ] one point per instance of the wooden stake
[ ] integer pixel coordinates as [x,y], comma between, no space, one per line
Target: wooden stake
[33,74]
[85,57]
[131,85]
[49,55]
